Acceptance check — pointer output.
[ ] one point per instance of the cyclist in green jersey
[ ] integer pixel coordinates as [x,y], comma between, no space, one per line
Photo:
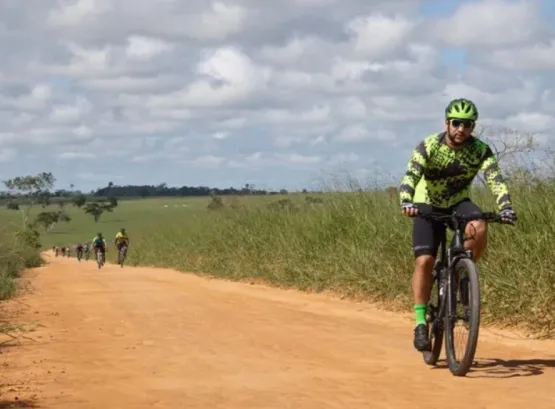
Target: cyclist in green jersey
[98,243]
[438,178]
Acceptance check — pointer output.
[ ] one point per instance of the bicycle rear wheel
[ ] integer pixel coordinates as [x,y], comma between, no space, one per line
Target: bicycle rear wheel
[99,259]
[435,322]
[464,296]
[122,256]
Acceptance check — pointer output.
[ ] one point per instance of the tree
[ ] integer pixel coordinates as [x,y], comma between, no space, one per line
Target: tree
[113,201]
[35,189]
[47,220]
[12,205]
[509,146]
[79,200]
[96,209]
[216,203]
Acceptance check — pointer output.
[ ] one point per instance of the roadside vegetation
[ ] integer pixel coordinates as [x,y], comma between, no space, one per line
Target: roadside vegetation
[359,245]
[349,239]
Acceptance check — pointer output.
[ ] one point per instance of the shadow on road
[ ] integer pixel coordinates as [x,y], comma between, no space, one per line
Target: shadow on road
[500,368]
[12,404]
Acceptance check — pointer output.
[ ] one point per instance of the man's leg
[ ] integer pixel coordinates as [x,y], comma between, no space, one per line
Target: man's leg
[476,231]
[425,238]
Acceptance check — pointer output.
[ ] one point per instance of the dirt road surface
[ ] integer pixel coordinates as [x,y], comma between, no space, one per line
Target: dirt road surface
[153,338]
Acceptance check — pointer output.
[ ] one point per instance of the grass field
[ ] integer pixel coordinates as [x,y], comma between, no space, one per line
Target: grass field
[355,244]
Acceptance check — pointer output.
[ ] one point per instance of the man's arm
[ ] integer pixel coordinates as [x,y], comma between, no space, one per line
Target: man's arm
[495,181]
[412,176]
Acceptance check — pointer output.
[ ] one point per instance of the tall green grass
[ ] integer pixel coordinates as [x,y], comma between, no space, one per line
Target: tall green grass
[359,245]
[15,256]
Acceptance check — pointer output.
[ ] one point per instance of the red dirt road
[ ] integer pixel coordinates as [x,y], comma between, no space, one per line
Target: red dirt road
[154,338]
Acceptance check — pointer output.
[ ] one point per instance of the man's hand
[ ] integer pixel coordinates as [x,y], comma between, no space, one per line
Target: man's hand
[409,209]
[508,216]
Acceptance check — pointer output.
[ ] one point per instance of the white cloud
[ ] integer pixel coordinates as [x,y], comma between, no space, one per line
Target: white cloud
[316,114]
[299,159]
[352,107]
[145,48]
[361,132]
[39,97]
[76,155]
[8,155]
[539,56]
[531,121]
[73,13]
[221,20]
[490,23]
[67,114]
[258,91]
[377,34]
[296,48]
[220,135]
[226,76]
[206,161]
[98,177]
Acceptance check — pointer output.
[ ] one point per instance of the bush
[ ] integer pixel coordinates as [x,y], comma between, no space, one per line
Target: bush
[29,237]
[16,254]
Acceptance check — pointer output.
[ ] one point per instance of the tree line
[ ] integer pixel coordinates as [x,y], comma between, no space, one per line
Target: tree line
[162,190]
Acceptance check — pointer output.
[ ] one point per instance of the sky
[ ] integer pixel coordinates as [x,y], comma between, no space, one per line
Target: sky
[276,94]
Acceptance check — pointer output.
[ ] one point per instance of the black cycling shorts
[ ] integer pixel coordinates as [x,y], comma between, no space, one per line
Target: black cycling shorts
[427,235]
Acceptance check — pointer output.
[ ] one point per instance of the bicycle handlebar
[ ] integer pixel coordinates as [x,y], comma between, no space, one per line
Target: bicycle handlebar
[490,217]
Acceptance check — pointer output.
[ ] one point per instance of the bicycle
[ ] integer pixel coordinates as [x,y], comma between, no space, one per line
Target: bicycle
[121,255]
[99,258]
[448,280]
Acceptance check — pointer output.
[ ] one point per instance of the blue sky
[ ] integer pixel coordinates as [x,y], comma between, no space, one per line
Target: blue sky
[439,8]
[274,94]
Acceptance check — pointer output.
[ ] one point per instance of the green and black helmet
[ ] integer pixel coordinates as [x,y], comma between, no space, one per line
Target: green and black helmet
[461,109]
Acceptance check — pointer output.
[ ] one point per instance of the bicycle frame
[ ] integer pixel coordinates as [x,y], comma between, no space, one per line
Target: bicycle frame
[449,258]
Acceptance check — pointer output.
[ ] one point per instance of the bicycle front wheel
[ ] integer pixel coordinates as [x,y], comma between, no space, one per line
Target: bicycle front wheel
[464,317]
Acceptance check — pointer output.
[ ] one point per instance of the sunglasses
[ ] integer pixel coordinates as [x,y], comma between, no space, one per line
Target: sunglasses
[466,123]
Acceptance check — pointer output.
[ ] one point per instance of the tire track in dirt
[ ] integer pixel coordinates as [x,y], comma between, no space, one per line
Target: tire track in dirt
[155,338]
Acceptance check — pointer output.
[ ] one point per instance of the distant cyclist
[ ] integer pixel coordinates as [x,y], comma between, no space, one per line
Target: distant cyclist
[79,251]
[122,239]
[99,244]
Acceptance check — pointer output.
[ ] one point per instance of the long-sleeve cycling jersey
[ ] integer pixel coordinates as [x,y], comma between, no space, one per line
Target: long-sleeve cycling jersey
[442,177]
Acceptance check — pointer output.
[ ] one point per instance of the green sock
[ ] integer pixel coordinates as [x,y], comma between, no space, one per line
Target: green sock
[420,310]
